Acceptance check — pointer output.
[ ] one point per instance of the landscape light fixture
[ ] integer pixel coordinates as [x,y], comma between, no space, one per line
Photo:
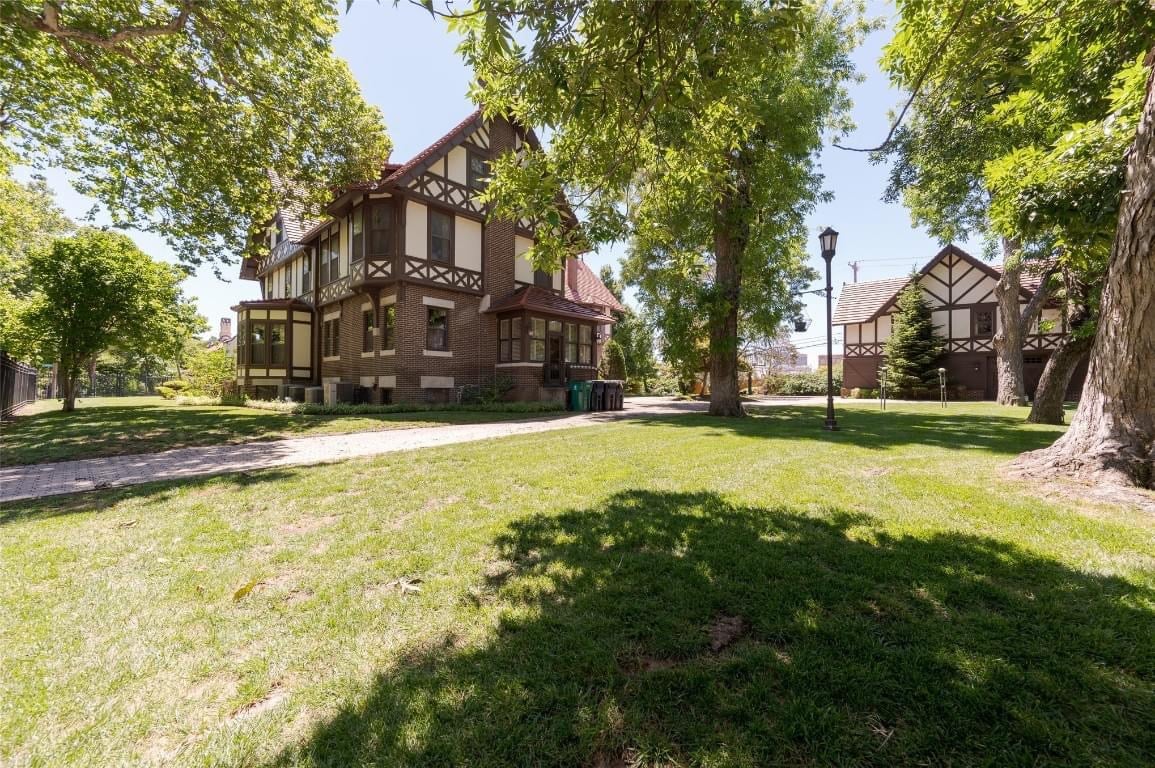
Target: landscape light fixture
[829,239]
[942,386]
[882,385]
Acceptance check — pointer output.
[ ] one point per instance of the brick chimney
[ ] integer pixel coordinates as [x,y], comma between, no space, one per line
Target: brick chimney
[226,328]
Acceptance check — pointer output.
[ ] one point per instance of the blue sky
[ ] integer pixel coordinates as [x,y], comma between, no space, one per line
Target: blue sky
[406,65]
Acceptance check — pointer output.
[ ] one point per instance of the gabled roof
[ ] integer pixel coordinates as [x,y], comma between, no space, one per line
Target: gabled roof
[862,302]
[423,158]
[584,287]
[858,302]
[537,299]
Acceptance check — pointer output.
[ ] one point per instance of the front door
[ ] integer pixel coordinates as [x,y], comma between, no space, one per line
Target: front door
[554,361]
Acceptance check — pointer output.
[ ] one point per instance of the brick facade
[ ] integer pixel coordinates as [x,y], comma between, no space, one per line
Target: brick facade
[411,373]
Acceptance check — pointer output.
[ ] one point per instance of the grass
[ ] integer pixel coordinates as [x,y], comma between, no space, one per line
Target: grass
[675,591]
[115,426]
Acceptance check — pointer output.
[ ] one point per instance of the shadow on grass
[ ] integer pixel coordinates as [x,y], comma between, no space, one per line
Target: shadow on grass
[875,428]
[43,508]
[843,645]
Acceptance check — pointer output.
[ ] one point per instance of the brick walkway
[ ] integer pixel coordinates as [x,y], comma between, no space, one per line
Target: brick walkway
[36,480]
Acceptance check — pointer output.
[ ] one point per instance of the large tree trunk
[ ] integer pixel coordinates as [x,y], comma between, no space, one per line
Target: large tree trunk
[68,382]
[1047,407]
[1008,339]
[723,314]
[1112,436]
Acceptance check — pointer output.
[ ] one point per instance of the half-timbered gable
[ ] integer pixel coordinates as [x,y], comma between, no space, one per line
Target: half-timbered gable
[400,274]
[961,293]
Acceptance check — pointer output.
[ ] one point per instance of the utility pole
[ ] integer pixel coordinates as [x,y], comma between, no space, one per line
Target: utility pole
[854,266]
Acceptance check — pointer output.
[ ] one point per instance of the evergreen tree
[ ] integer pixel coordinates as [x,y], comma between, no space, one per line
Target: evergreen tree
[913,349]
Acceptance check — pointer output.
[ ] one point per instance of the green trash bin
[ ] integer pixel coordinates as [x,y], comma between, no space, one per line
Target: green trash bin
[582,403]
[573,396]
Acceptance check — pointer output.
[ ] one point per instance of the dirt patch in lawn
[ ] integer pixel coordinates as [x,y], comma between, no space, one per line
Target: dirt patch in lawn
[275,696]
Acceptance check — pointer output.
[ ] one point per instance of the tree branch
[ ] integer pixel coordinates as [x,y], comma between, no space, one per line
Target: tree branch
[48,22]
[917,87]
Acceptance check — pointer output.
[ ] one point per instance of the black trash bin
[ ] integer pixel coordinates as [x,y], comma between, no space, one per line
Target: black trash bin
[616,394]
[598,395]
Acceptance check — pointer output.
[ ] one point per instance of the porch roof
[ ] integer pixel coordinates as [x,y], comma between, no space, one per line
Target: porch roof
[273,304]
[534,299]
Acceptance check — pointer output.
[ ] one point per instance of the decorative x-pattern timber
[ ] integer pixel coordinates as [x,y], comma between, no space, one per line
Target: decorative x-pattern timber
[335,290]
[444,274]
[446,191]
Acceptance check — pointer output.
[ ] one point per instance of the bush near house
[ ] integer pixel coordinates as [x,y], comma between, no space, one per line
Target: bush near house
[802,383]
[170,389]
[210,372]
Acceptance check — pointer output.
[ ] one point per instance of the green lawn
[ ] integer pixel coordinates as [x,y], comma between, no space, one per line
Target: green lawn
[677,591]
[114,426]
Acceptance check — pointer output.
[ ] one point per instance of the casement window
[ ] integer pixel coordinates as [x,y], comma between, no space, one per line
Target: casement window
[367,330]
[437,329]
[276,343]
[388,323]
[477,171]
[265,343]
[380,229]
[585,345]
[542,279]
[307,273]
[357,234]
[331,338]
[329,254]
[509,340]
[440,236]
[984,322]
[571,343]
[536,339]
[288,290]
[242,341]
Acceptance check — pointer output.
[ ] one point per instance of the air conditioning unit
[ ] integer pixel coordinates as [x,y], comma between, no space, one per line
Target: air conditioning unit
[282,391]
[314,395]
[339,392]
[297,393]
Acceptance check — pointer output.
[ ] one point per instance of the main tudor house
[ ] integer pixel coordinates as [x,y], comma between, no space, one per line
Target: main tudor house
[961,292]
[407,292]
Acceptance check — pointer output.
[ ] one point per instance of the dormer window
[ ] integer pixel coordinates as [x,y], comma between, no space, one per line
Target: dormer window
[477,171]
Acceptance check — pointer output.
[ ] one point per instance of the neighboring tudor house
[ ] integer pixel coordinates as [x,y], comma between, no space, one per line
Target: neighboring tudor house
[406,293]
[961,293]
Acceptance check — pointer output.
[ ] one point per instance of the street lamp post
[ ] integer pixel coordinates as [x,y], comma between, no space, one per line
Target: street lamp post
[829,239]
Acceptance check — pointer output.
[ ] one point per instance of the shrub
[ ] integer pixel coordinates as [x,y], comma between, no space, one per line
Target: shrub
[211,372]
[801,383]
[491,392]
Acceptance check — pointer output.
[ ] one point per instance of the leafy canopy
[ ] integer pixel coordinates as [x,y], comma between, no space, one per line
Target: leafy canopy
[177,115]
[1021,115]
[96,291]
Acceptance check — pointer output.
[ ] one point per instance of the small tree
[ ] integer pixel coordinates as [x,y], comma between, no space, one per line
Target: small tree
[913,349]
[210,371]
[96,290]
[613,361]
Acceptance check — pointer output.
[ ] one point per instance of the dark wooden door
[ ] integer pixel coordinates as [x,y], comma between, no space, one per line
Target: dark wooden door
[554,361]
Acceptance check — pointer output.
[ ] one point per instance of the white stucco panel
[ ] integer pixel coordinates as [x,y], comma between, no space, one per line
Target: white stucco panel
[467,245]
[457,160]
[416,230]
[302,353]
[960,323]
[866,333]
[939,318]
[522,269]
[883,328]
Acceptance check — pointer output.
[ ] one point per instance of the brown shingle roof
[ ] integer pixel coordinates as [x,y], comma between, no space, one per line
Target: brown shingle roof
[858,302]
[459,132]
[584,287]
[537,299]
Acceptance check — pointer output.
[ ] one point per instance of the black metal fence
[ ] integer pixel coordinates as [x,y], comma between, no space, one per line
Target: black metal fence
[17,384]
